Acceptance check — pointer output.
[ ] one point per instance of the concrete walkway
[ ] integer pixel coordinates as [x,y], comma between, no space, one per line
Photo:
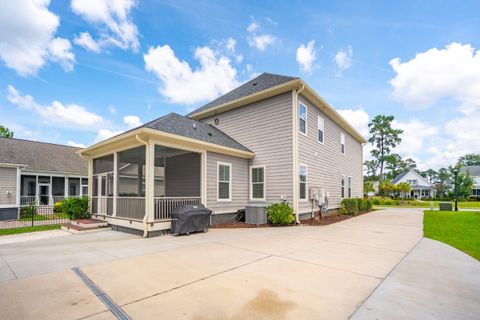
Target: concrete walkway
[268,273]
[435,281]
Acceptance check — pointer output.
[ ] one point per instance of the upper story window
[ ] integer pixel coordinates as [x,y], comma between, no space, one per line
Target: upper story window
[413,182]
[224,181]
[349,187]
[342,142]
[320,129]
[257,183]
[302,118]
[303,182]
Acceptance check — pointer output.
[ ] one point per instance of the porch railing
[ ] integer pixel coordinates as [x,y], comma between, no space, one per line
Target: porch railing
[165,205]
[28,200]
[131,207]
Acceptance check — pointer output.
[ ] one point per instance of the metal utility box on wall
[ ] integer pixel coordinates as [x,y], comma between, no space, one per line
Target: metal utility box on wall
[255,214]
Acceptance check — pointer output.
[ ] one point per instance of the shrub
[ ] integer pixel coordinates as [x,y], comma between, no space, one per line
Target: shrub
[362,204]
[376,202]
[280,213]
[76,208]
[349,206]
[388,202]
[27,212]
[368,205]
[57,207]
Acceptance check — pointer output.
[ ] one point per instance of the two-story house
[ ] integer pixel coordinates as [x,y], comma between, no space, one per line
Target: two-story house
[270,140]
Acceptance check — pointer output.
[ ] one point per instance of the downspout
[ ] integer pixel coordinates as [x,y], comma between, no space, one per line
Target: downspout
[296,204]
[145,218]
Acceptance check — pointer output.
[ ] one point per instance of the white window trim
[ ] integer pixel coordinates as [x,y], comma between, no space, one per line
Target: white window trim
[343,142]
[306,182]
[343,187]
[322,120]
[219,163]
[349,187]
[264,183]
[306,118]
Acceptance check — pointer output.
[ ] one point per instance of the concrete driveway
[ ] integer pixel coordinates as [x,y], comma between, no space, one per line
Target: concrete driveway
[270,273]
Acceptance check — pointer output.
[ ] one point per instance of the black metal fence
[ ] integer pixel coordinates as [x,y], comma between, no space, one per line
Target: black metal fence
[30,216]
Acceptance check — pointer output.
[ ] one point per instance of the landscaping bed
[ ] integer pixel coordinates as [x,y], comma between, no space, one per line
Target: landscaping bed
[460,229]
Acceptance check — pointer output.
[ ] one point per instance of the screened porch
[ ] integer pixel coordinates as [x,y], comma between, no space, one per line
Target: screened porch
[121,181]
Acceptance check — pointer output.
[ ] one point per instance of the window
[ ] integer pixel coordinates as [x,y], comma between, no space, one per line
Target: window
[349,187]
[412,182]
[342,188]
[320,129]
[303,182]
[257,183]
[302,118]
[342,142]
[224,181]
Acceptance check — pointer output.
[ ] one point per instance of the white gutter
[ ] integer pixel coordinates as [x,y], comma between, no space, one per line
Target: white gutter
[145,218]
[296,205]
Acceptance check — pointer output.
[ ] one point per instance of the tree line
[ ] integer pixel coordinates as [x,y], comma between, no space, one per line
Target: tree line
[385,164]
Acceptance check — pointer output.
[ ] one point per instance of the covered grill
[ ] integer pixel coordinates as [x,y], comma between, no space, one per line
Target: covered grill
[190,218]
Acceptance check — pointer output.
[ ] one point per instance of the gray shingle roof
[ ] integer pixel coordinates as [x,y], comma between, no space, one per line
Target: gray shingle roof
[473,170]
[399,176]
[260,83]
[42,156]
[186,127]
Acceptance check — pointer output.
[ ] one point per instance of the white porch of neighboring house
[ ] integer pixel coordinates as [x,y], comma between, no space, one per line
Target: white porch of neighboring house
[418,192]
[43,188]
[135,189]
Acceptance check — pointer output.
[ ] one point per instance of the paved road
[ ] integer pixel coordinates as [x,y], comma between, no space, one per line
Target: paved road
[271,273]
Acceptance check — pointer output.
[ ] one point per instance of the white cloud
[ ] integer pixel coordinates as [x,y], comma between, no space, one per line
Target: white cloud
[261,42]
[343,59]
[112,110]
[452,72]
[357,118]
[132,121]
[113,20]
[27,37]
[231,43]
[252,27]
[74,144]
[85,40]
[415,133]
[214,76]
[104,134]
[57,113]
[306,56]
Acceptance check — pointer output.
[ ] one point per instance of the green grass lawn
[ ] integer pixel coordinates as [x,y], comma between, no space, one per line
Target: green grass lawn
[426,204]
[40,217]
[459,229]
[5,232]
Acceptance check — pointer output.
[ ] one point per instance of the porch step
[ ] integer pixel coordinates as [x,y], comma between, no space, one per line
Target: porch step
[89,223]
[85,226]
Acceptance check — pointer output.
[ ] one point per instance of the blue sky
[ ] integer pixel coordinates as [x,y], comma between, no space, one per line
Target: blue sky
[76,72]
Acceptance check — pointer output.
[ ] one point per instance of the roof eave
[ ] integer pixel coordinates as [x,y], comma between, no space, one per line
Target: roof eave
[284,87]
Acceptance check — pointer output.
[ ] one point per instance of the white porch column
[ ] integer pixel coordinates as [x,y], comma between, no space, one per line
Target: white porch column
[37,190]
[90,183]
[150,182]
[203,177]
[19,187]
[65,187]
[115,183]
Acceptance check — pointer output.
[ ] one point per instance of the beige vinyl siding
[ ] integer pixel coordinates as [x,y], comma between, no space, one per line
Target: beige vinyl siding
[8,183]
[265,127]
[239,183]
[326,164]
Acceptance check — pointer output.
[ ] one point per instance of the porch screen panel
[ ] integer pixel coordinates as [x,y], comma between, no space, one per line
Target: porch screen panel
[131,172]
[103,164]
[58,186]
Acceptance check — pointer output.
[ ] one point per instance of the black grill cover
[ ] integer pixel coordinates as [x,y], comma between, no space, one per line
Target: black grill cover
[190,218]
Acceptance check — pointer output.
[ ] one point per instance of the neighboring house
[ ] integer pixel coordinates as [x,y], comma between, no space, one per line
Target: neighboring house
[38,172]
[270,140]
[474,172]
[420,187]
